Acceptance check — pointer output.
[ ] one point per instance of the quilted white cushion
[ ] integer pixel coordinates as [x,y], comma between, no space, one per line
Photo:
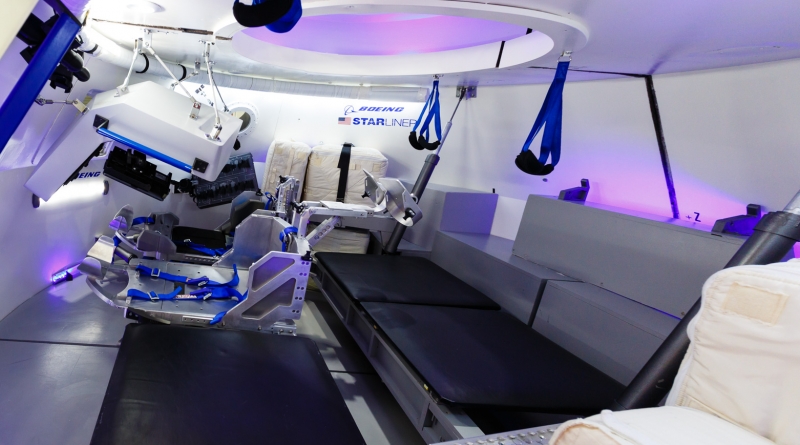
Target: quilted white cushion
[285,158]
[668,425]
[322,178]
[743,364]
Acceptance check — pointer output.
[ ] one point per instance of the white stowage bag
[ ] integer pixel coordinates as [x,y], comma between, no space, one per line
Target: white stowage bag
[739,382]
[322,177]
[743,364]
[285,158]
[667,425]
[343,241]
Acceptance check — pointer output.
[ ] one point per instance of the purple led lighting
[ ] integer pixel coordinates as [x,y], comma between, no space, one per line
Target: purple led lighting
[388,34]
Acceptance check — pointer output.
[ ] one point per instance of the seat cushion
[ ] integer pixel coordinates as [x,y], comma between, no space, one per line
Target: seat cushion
[174,385]
[489,358]
[400,279]
[666,425]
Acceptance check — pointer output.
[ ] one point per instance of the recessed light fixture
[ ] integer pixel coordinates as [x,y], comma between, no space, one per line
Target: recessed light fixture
[144,7]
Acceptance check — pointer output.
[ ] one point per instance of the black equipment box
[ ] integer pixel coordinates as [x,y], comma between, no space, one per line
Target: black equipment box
[131,168]
[238,176]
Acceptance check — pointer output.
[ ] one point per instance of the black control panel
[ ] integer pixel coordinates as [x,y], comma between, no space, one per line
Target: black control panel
[132,169]
[238,176]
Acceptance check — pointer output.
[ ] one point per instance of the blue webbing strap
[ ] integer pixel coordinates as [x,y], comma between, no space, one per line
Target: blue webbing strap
[434,114]
[283,236]
[208,289]
[232,283]
[217,318]
[428,103]
[551,114]
[139,295]
[217,293]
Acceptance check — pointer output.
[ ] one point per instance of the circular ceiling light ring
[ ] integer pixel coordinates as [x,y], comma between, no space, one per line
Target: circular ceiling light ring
[553,35]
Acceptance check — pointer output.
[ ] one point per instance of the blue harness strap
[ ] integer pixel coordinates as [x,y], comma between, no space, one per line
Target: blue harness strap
[152,296]
[232,283]
[217,318]
[217,293]
[428,104]
[434,114]
[283,237]
[208,289]
[550,117]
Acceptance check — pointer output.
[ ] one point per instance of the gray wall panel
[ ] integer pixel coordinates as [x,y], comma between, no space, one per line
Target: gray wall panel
[453,209]
[485,263]
[662,264]
[612,333]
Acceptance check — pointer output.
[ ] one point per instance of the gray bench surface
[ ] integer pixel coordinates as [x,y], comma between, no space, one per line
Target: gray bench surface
[656,261]
[400,279]
[488,358]
[615,334]
[487,263]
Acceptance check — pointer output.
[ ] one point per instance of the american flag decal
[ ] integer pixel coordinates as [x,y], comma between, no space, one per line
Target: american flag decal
[345,120]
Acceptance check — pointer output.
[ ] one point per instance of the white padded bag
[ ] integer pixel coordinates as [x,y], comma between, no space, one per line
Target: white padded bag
[285,158]
[742,369]
[322,177]
[667,425]
[343,241]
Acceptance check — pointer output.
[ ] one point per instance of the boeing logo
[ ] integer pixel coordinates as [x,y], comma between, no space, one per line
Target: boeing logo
[351,110]
[89,175]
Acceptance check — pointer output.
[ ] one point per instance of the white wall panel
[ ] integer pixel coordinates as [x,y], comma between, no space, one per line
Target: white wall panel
[733,137]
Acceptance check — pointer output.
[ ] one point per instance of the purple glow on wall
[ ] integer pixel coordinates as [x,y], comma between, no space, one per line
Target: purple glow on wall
[388,34]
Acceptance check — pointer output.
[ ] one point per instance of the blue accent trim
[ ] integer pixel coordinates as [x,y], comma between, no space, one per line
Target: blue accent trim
[146,150]
[35,76]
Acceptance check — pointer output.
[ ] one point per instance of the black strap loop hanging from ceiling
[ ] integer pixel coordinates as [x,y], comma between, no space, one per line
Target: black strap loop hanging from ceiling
[283,13]
[551,115]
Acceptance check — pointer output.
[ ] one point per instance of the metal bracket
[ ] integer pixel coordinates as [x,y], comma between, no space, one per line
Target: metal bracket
[471,91]
[739,225]
[576,194]
[76,103]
